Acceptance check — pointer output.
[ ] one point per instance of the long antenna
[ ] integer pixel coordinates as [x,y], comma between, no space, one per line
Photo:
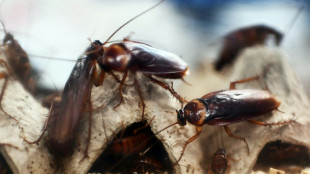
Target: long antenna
[294,20]
[132,20]
[3,27]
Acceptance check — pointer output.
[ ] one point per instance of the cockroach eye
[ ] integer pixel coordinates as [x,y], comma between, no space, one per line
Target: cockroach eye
[181,117]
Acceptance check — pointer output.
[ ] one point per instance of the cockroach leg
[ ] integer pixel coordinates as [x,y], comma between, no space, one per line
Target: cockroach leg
[165,86]
[233,84]
[143,127]
[236,137]
[140,96]
[48,120]
[121,86]
[10,145]
[260,123]
[198,132]
[5,76]
[186,81]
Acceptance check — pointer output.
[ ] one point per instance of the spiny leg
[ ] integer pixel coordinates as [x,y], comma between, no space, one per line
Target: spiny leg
[165,86]
[236,137]
[257,77]
[260,123]
[121,86]
[145,126]
[5,76]
[48,122]
[198,132]
[233,84]
[10,145]
[140,96]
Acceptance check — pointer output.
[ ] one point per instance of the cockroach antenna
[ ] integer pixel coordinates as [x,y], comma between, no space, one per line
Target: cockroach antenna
[132,20]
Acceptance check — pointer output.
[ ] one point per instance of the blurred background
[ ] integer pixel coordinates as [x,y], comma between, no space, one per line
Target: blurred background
[191,29]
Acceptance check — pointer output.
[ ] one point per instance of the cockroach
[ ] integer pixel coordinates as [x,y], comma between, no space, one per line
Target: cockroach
[283,155]
[133,149]
[225,107]
[18,61]
[66,113]
[20,67]
[132,56]
[138,57]
[236,41]
[219,164]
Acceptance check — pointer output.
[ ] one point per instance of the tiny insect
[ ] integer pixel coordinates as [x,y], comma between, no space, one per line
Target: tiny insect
[222,108]
[236,41]
[219,164]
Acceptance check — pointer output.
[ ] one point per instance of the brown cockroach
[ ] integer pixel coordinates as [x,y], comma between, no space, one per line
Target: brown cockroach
[236,41]
[219,164]
[222,108]
[66,114]
[18,60]
[134,149]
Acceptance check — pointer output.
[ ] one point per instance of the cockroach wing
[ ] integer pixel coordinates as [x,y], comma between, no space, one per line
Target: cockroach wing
[150,60]
[232,106]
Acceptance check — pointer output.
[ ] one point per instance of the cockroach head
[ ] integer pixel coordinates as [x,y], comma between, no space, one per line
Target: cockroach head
[96,48]
[279,37]
[8,37]
[181,117]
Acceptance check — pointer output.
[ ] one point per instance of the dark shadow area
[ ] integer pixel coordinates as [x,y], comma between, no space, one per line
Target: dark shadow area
[134,149]
[285,156]
[4,167]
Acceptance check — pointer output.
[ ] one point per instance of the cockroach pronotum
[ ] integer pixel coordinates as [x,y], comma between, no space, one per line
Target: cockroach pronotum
[236,41]
[225,107]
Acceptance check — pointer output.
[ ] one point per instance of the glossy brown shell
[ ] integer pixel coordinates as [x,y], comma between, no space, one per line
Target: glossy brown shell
[229,106]
[219,163]
[65,117]
[236,41]
[152,61]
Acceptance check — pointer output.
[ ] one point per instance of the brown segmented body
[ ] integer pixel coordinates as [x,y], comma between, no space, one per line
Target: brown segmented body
[219,163]
[225,107]
[236,41]
[229,107]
